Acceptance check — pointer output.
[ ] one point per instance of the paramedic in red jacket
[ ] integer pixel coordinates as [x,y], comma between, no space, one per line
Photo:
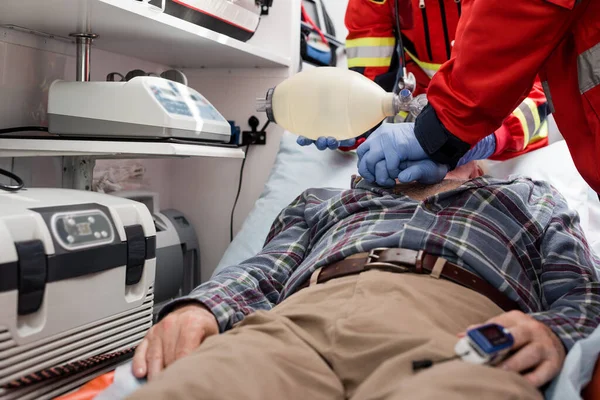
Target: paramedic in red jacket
[500,48]
[429,28]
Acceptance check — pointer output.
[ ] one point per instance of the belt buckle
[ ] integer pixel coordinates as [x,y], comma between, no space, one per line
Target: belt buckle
[372,262]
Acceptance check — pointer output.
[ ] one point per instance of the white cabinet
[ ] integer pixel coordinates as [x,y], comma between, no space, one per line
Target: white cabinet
[132,28]
[230,73]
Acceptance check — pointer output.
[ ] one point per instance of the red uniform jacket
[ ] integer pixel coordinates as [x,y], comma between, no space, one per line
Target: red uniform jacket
[429,28]
[500,47]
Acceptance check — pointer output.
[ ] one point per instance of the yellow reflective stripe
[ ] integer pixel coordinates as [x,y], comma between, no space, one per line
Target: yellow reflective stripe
[370,41]
[534,111]
[369,62]
[542,133]
[528,115]
[429,68]
[519,114]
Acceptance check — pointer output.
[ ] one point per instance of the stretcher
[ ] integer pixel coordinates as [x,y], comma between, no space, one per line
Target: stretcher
[297,169]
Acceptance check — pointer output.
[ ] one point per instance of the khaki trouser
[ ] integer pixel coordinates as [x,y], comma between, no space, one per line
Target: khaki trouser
[353,337]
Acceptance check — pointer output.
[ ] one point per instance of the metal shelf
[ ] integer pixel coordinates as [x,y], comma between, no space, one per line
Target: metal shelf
[134,29]
[110,149]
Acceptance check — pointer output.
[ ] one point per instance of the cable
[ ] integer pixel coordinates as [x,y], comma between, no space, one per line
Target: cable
[418,365]
[399,50]
[237,196]
[24,129]
[11,188]
[265,126]
[313,24]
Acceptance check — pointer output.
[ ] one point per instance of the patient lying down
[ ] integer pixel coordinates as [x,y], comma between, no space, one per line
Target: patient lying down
[285,324]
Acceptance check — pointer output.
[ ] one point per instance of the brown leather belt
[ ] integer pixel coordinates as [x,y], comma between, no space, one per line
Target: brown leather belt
[419,262]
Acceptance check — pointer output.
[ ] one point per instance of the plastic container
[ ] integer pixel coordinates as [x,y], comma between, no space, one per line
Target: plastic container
[329,101]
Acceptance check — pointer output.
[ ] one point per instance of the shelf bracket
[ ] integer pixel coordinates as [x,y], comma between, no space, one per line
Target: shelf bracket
[78,172]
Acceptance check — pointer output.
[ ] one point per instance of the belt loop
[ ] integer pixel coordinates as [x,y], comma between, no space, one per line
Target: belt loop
[419,262]
[314,277]
[438,267]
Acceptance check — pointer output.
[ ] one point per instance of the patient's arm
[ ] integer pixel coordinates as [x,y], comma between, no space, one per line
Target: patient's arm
[569,287]
[255,284]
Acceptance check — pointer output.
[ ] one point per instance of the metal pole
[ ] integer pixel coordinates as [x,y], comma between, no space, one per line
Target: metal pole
[84,48]
[78,172]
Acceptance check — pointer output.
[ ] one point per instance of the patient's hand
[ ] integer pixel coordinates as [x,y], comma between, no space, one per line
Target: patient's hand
[177,335]
[539,353]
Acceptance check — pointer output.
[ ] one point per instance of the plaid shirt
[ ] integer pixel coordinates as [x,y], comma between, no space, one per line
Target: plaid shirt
[517,234]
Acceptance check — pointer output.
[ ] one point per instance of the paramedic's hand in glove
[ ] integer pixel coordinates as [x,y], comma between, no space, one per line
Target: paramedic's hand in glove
[391,152]
[174,337]
[538,352]
[324,143]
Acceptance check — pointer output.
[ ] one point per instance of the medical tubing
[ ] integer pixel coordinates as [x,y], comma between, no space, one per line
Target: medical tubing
[399,50]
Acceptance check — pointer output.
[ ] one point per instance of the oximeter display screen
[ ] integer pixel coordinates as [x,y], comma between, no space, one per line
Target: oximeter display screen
[494,335]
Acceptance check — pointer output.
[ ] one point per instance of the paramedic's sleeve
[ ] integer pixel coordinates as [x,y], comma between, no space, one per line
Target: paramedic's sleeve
[256,283]
[370,41]
[570,289]
[490,71]
[370,45]
[525,129]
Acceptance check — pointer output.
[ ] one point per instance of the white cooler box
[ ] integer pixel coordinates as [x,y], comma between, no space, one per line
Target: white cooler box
[76,280]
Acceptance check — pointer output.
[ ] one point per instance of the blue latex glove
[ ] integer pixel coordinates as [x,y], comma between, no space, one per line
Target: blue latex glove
[392,151]
[324,143]
[482,150]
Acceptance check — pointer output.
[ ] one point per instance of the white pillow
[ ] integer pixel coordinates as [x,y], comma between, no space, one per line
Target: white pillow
[296,169]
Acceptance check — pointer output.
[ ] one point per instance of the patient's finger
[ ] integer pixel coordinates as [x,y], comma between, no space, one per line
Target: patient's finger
[522,335]
[382,176]
[138,365]
[170,328]
[542,374]
[524,359]
[508,319]
[154,357]
[191,334]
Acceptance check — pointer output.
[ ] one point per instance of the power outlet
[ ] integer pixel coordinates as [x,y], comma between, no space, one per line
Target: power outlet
[249,137]
[253,136]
